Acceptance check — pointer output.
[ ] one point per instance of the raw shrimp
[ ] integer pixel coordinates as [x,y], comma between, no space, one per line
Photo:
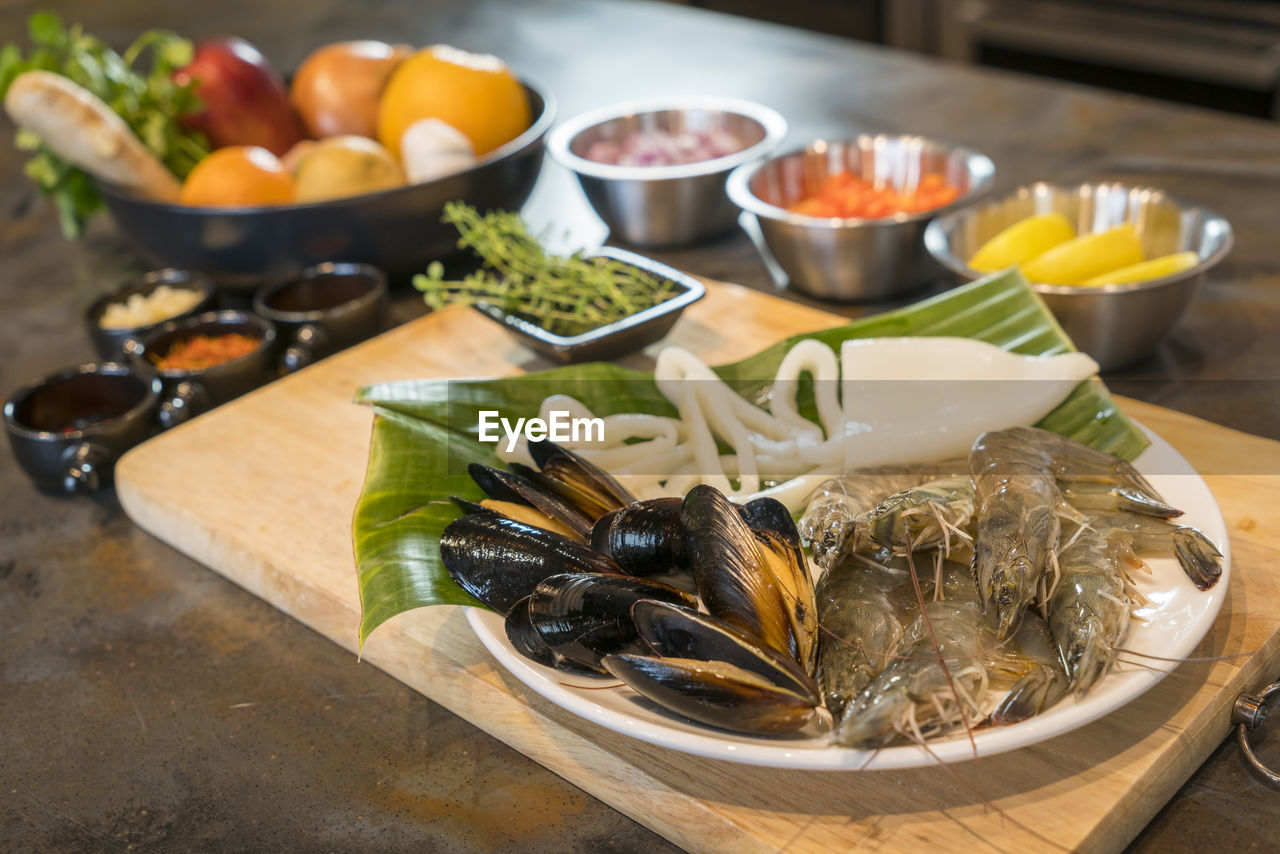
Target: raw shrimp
[1031,656]
[860,608]
[938,514]
[1198,557]
[1017,523]
[916,695]
[1018,502]
[1089,609]
[934,515]
[834,506]
[1096,495]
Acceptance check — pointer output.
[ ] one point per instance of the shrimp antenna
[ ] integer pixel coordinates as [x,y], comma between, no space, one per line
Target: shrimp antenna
[1227,657]
[1172,671]
[1144,665]
[946,671]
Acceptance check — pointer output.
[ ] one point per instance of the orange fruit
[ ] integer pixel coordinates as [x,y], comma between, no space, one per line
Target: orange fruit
[475,93]
[238,176]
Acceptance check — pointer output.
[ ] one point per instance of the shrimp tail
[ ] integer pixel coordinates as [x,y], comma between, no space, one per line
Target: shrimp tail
[1030,695]
[1089,655]
[1137,501]
[1198,557]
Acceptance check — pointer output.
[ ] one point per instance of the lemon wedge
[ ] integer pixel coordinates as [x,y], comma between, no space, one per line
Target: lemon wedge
[1156,268]
[1086,256]
[1022,241]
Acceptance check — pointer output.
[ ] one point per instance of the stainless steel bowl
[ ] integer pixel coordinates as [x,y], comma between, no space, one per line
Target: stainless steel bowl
[844,258]
[1115,324]
[665,206]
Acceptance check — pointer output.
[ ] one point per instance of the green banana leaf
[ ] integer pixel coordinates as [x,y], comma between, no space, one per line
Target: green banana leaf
[425,431]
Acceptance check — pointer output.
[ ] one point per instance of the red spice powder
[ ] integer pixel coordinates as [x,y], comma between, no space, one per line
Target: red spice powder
[206,351]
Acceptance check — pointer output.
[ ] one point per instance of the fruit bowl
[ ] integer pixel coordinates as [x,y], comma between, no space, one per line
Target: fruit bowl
[398,230]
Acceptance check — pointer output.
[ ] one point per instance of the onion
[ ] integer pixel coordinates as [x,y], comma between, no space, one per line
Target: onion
[337,87]
[431,149]
[661,148]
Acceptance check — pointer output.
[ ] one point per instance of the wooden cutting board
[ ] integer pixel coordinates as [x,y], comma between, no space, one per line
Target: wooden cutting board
[268,486]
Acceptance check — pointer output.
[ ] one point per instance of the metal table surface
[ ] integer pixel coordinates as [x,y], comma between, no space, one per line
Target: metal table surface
[146,703]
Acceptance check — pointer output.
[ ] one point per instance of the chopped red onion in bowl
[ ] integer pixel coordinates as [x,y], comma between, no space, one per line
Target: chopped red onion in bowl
[662,148]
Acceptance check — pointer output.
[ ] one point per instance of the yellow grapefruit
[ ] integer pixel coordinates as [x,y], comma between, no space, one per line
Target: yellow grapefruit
[475,93]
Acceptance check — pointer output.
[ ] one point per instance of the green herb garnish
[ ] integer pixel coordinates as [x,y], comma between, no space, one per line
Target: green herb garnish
[566,295]
[150,104]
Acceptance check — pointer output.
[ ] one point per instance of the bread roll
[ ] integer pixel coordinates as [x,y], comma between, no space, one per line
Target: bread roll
[83,130]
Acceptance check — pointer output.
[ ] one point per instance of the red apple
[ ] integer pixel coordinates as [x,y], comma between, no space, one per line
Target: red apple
[245,101]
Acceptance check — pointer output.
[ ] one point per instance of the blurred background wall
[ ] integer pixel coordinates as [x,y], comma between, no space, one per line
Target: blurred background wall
[1223,54]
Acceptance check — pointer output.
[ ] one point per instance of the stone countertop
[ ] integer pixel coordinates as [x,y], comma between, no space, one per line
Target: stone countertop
[149,704]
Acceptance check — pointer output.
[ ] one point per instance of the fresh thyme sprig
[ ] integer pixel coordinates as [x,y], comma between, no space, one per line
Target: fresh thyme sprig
[565,295]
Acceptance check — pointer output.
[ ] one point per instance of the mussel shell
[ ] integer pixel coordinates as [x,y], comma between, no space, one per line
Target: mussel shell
[524,637]
[731,573]
[675,631]
[645,538]
[512,486]
[770,514]
[599,539]
[714,693]
[468,506]
[492,484]
[519,511]
[589,487]
[500,561]
[583,617]
[775,530]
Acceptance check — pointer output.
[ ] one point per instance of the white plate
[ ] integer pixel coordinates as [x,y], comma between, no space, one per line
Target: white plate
[1177,619]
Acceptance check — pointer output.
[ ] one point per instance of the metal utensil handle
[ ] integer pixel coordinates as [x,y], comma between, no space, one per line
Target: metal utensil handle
[1248,713]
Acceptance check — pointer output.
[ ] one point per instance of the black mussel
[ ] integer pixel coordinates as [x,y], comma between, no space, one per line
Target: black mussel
[771,522]
[524,637]
[676,631]
[770,515]
[645,538]
[469,506]
[599,539]
[714,693]
[586,485]
[584,617]
[511,487]
[732,573]
[500,561]
[520,512]
[492,483]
